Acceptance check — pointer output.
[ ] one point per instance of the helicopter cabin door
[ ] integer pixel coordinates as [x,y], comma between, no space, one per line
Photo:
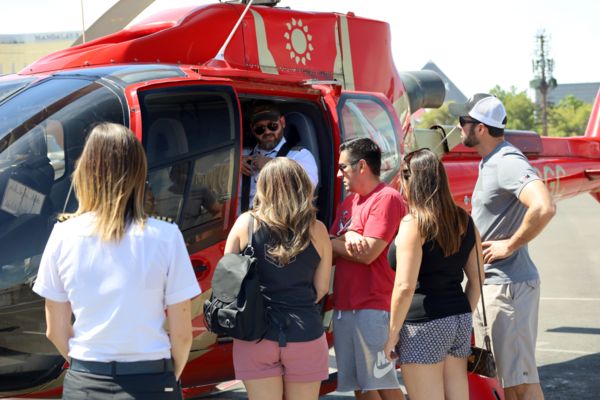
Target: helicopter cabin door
[371,115]
[191,134]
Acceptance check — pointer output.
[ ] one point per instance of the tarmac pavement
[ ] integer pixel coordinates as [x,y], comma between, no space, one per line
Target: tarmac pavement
[568,257]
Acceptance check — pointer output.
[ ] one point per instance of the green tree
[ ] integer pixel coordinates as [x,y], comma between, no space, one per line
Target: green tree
[519,108]
[569,117]
[437,116]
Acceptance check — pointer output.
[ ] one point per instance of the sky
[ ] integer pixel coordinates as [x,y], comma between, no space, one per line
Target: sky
[478,44]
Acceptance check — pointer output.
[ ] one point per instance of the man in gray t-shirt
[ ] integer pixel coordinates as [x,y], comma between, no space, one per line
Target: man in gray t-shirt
[511,206]
[498,212]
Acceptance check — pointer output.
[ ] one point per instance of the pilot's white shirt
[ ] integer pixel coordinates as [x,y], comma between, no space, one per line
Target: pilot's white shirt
[302,156]
[118,291]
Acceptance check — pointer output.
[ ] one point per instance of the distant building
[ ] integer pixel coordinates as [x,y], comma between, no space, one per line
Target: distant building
[452,92]
[585,92]
[18,51]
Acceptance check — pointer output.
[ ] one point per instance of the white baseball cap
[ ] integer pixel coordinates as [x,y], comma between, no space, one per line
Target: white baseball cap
[483,107]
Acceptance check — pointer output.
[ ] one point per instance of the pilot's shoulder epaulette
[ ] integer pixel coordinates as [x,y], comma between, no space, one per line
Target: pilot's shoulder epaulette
[64,217]
[161,218]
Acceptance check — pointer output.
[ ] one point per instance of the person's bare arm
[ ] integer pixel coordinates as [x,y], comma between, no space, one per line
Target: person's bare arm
[179,317]
[370,248]
[238,236]
[540,210]
[58,325]
[472,268]
[409,254]
[322,276]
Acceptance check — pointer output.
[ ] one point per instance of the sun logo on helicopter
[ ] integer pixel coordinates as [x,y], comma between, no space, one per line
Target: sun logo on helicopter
[298,41]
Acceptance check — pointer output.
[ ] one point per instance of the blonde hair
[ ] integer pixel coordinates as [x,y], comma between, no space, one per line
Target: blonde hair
[109,180]
[284,203]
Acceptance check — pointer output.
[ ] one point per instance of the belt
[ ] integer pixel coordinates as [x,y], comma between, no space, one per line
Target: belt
[122,368]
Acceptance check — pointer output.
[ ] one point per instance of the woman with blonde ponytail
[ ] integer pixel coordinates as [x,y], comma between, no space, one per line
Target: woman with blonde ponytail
[116,271]
[294,267]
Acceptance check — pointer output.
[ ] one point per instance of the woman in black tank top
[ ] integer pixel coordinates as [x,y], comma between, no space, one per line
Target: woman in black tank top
[294,268]
[430,317]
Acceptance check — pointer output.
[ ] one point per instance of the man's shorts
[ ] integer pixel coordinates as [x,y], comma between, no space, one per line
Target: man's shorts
[359,338]
[432,341]
[512,314]
[296,362]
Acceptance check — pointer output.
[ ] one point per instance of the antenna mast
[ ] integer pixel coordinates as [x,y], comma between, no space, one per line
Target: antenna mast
[543,82]
[221,54]
[82,23]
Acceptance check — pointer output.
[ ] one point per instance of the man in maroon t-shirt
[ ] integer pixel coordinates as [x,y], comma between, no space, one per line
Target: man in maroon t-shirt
[365,225]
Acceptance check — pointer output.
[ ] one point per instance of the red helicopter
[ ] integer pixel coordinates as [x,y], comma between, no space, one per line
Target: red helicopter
[183,80]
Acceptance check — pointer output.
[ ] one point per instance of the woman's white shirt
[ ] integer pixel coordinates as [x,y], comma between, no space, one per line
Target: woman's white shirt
[118,291]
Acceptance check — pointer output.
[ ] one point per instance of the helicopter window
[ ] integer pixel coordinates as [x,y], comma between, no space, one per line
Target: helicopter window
[183,123]
[42,133]
[35,104]
[167,186]
[9,87]
[190,139]
[44,141]
[366,116]
[210,188]
[166,139]
[128,74]
[146,73]
[207,180]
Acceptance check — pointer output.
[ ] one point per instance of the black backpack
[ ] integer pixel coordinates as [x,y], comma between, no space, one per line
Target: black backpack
[236,306]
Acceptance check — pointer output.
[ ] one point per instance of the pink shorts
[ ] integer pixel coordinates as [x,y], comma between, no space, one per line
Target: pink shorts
[297,362]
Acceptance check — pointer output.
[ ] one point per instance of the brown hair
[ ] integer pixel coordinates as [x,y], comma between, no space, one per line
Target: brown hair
[284,203]
[109,180]
[430,201]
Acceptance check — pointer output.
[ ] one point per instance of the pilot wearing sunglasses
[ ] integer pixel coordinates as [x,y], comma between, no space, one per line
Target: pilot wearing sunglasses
[267,126]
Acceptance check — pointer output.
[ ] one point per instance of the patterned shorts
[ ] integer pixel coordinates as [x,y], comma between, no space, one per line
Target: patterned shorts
[430,342]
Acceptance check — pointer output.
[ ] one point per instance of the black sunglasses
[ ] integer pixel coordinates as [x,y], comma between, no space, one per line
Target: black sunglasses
[342,167]
[271,126]
[464,121]
[406,159]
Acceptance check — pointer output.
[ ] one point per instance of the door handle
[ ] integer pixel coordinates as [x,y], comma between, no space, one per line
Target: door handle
[200,268]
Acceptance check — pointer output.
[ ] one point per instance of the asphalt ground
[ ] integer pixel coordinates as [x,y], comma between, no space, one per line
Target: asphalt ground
[568,350]
[567,254]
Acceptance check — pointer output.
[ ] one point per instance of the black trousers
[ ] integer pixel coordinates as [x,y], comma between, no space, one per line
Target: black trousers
[82,385]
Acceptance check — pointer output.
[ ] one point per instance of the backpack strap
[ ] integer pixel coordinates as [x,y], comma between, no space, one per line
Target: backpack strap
[287,146]
[245,198]
[249,250]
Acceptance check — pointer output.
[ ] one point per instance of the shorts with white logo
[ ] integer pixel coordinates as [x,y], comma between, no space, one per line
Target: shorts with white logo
[359,338]
[432,341]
